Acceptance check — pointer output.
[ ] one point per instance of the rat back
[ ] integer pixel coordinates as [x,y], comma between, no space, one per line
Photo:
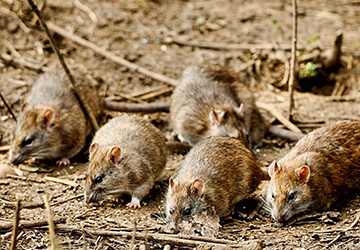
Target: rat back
[227,171]
[126,156]
[321,168]
[52,123]
[133,134]
[203,90]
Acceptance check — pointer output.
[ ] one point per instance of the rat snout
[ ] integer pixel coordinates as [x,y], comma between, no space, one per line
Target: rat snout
[92,196]
[174,227]
[15,158]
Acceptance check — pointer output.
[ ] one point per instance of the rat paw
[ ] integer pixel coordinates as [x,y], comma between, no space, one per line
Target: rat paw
[118,200]
[135,203]
[63,162]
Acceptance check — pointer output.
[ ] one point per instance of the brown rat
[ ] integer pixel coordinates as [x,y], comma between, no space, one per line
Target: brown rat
[321,168]
[211,101]
[218,171]
[126,156]
[52,124]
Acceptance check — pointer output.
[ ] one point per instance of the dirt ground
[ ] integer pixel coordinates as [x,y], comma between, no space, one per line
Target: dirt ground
[145,33]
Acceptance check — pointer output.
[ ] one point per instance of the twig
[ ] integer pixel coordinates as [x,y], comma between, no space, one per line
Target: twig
[137,107]
[68,199]
[253,213]
[5,147]
[160,92]
[35,17]
[15,16]
[133,236]
[286,74]
[111,56]
[293,60]
[30,224]
[244,66]
[16,225]
[87,10]
[23,204]
[12,49]
[278,116]
[228,46]
[21,62]
[7,105]
[62,181]
[347,229]
[146,237]
[78,94]
[51,224]
[164,238]
[23,178]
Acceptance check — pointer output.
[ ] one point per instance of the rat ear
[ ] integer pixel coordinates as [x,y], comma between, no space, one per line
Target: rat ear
[216,117]
[115,156]
[93,148]
[25,107]
[198,187]
[274,166]
[172,184]
[241,109]
[48,118]
[304,174]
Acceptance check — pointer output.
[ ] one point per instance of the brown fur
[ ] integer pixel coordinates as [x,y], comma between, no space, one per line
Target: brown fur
[143,159]
[203,89]
[229,171]
[332,154]
[66,135]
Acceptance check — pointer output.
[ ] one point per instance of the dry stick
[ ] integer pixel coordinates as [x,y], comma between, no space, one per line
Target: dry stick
[51,223]
[23,205]
[293,60]
[5,147]
[16,225]
[68,199]
[16,61]
[347,229]
[30,224]
[111,56]
[7,105]
[133,237]
[15,16]
[227,46]
[278,116]
[66,69]
[140,107]
[172,239]
[62,181]
[23,178]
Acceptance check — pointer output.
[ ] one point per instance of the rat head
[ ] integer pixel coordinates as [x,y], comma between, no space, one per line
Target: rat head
[289,193]
[107,176]
[230,122]
[183,201]
[33,135]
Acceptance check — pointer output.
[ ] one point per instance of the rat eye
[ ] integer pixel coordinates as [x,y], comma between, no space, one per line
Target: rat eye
[170,211]
[187,211]
[98,179]
[291,196]
[27,141]
[273,196]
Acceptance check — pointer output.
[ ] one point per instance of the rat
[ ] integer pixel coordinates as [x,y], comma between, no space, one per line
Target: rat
[218,172]
[211,101]
[321,168]
[127,156]
[52,124]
